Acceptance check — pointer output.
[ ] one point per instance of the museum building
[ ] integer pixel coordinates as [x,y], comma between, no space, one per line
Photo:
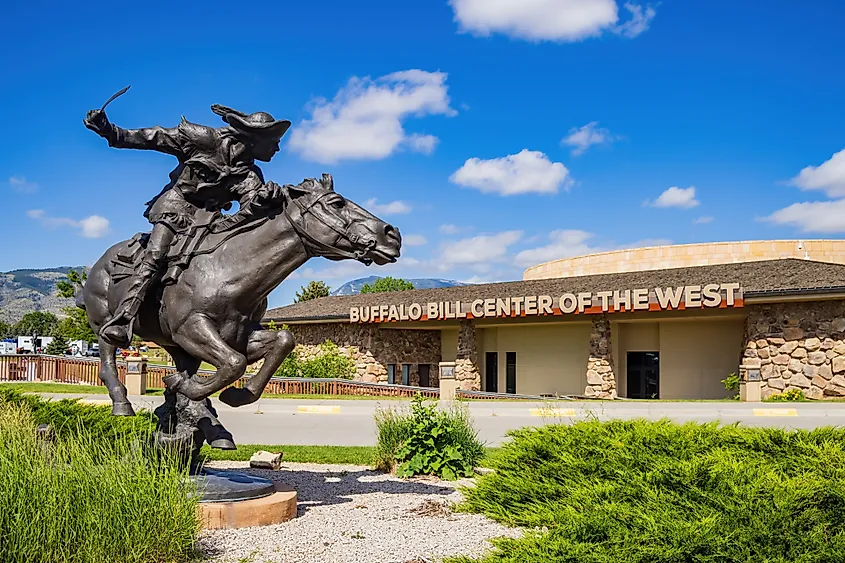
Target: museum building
[666,322]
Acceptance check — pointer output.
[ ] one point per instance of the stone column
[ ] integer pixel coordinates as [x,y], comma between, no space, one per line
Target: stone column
[601,376]
[466,364]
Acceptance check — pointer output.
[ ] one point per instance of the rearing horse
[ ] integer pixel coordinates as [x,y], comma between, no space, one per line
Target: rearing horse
[213,312]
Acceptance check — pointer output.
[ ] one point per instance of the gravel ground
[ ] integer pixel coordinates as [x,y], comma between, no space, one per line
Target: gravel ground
[349,514]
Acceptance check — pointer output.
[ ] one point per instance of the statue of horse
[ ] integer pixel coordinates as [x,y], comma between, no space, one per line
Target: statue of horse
[213,311]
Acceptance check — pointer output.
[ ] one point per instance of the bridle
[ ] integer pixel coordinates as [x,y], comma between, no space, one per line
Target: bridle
[315,247]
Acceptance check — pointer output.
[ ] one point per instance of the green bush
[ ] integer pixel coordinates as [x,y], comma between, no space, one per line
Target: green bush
[731,383]
[648,492]
[428,441]
[791,395]
[69,417]
[328,363]
[80,501]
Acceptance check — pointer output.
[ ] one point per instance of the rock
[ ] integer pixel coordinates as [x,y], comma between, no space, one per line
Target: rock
[767,371]
[763,353]
[593,377]
[838,380]
[788,348]
[812,344]
[839,364]
[266,460]
[830,354]
[840,348]
[819,381]
[776,383]
[834,391]
[799,353]
[793,333]
[762,343]
[751,352]
[603,368]
[762,327]
[814,393]
[825,371]
[369,378]
[828,343]
[799,380]
[783,359]
[795,365]
[751,344]
[816,358]
[776,341]
[838,325]
[810,371]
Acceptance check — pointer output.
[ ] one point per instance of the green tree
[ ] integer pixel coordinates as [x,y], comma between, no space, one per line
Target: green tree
[5,329]
[67,288]
[313,290]
[57,346]
[387,284]
[75,326]
[42,323]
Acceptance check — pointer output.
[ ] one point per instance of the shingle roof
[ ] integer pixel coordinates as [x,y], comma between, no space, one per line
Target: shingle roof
[787,275]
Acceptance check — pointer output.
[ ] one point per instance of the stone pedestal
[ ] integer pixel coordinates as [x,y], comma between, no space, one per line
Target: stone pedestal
[750,391]
[136,375]
[601,376]
[236,500]
[448,384]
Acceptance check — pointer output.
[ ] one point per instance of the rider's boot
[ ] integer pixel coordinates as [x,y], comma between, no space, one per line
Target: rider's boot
[118,330]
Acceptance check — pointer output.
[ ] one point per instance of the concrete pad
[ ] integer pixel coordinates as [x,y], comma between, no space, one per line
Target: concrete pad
[274,509]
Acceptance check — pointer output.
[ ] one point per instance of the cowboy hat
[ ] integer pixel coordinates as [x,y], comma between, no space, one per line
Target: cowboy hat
[258,123]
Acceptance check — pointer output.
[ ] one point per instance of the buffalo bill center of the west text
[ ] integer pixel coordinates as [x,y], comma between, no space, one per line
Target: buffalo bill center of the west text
[662,323]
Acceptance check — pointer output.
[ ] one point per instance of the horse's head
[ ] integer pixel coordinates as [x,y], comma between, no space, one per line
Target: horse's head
[333,227]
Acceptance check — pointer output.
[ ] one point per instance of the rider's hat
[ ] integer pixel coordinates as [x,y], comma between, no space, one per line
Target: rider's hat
[259,123]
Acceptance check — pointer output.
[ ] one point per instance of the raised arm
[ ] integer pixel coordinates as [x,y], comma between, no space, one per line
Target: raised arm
[152,138]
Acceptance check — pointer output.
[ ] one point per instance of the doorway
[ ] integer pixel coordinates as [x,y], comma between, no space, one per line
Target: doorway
[643,375]
[425,380]
[510,372]
[491,372]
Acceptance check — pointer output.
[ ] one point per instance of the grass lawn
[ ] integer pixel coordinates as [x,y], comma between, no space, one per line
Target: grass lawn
[353,455]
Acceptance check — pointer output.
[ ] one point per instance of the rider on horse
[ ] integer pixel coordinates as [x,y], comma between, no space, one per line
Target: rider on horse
[216,167]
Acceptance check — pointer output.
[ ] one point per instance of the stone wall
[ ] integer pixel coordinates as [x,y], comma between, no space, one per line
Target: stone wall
[466,363]
[373,348]
[797,346]
[601,377]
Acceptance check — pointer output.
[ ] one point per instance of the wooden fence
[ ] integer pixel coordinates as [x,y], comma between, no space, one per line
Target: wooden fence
[84,371]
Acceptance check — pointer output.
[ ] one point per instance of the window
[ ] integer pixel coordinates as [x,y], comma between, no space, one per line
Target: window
[491,368]
[406,374]
[391,373]
[510,372]
[423,370]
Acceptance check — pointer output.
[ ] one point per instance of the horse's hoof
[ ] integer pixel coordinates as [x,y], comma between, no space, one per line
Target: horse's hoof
[122,409]
[237,397]
[223,444]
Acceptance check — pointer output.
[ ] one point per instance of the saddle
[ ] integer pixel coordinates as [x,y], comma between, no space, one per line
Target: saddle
[209,230]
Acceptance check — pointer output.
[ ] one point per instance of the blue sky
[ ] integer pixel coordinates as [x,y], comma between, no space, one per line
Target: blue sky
[494,134]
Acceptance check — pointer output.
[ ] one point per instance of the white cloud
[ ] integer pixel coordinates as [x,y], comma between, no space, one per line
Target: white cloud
[389,208]
[365,120]
[548,20]
[21,185]
[573,242]
[525,172]
[639,22]
[414,240]
[450,229]
[828,177]
[683,198]
[812,217]
[704,220]
[584,137]
[478,250]
[93,226]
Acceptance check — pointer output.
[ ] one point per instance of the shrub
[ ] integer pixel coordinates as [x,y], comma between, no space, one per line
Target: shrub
[790,395]
[327,363]
[428,441]
[640,491]
[731,383]
[82,502]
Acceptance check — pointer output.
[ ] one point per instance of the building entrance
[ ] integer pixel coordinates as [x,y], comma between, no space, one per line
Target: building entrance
[643,375]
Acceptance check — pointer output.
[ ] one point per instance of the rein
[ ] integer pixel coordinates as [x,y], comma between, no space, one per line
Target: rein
[314,246]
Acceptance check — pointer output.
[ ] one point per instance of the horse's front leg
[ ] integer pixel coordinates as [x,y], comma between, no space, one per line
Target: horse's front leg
[271,345]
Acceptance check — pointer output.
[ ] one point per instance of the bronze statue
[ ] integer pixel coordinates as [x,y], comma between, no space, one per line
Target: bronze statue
[221,268]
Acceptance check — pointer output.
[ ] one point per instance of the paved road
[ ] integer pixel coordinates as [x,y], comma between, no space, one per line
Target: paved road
[350,422]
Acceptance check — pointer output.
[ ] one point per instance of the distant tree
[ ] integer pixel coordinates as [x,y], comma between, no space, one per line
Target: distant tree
[42,323]
[57,346]
[74,279]
[75,326]
[313,290]
[5,330]
[387,284]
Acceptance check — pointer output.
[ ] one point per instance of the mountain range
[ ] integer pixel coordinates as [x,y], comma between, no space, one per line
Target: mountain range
[22,291]
[354,287]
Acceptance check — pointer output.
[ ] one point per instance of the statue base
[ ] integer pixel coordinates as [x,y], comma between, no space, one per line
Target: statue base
[229,499]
